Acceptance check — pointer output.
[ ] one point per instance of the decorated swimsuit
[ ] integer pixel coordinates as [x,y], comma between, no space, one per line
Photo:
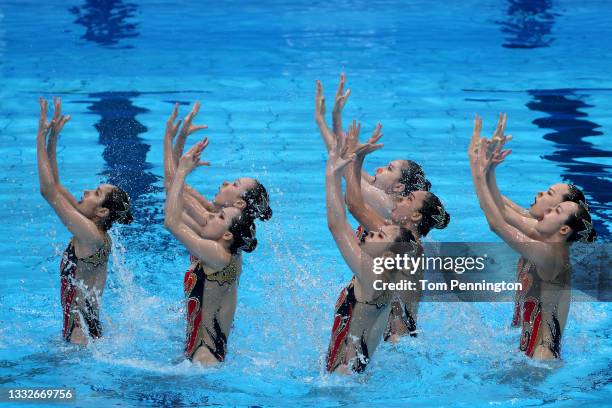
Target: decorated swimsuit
[348,344]
[541,308]
[203,327]
[400,310]
[79,303]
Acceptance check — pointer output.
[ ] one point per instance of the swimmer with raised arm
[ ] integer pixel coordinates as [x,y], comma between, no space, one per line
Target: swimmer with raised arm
[208,294]
[244,193]
[419,212]
[525,220]
[211,284]
[83,269]
[398,179]
[547,288]
[362,310]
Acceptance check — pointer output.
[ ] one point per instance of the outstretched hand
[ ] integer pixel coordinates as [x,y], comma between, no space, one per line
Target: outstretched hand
[43,125]
[319,102]
[339,155]
[475,140]
[191,159]
[58,121]
[487,154]
[499,138]
[362,149]
[341,95]
[188,128]
[341,98]
[171,127]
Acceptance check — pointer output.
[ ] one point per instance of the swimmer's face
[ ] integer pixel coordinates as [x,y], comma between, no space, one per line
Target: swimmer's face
[407,209]
[90,204]
[231,192]
[547,199]
[554,219]
[378,242]
[218,224]
[387,178]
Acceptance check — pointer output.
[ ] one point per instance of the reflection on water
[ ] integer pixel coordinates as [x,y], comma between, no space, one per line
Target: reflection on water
[125,152]
[106,21]
[528,24]
[569,128]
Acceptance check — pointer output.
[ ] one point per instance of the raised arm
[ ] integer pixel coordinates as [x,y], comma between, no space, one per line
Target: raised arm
[336,213]
[341,98]
[84,229]
[209,252]
[187,130]
[365,214]
[200,202]
[511,205]
[494,152]
[326,133]
[57,124]
[540,253]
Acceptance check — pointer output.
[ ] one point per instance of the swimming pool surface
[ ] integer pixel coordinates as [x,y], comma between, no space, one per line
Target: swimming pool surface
[421,68]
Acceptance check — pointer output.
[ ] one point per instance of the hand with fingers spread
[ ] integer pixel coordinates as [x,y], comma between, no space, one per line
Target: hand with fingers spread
[58,121]
[499,138]
[363,149]
[43,125]
[341,98]
[187,129]
[339,156]
[171,127]
[191,159]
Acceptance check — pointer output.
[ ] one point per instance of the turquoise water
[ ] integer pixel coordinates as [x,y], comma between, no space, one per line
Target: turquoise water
[422,69]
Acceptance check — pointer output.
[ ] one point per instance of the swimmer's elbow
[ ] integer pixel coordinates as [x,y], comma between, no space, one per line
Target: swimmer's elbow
[47,192]
[170,223]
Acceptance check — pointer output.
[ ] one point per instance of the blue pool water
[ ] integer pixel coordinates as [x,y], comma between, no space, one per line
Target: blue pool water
[421,68]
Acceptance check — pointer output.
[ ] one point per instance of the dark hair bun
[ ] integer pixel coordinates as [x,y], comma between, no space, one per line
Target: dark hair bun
[257,203]
[127,219]
[592,236]
[266,214]
[118,203]
[243,230]
[581,224]
[444,222]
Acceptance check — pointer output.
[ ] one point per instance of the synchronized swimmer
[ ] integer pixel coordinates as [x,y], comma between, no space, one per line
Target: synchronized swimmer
[395,209]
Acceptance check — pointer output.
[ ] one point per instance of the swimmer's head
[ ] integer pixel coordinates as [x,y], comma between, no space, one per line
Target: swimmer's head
[106,205]
[422,209]
[401,177]
[230,228]
[571,221]
[390,238]
[552,197]
[247,194]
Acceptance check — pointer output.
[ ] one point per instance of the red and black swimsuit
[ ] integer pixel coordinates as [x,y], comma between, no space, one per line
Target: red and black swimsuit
[399,309]
[522,277]
[74,315]
[537,310]
[194,284]
[341,328]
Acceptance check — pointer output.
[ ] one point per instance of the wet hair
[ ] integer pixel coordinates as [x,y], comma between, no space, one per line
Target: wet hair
[574,195]
[243,231]
[119,208]
[581,225]
[257,203]
[434,215]
[404,237]
[412,177]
